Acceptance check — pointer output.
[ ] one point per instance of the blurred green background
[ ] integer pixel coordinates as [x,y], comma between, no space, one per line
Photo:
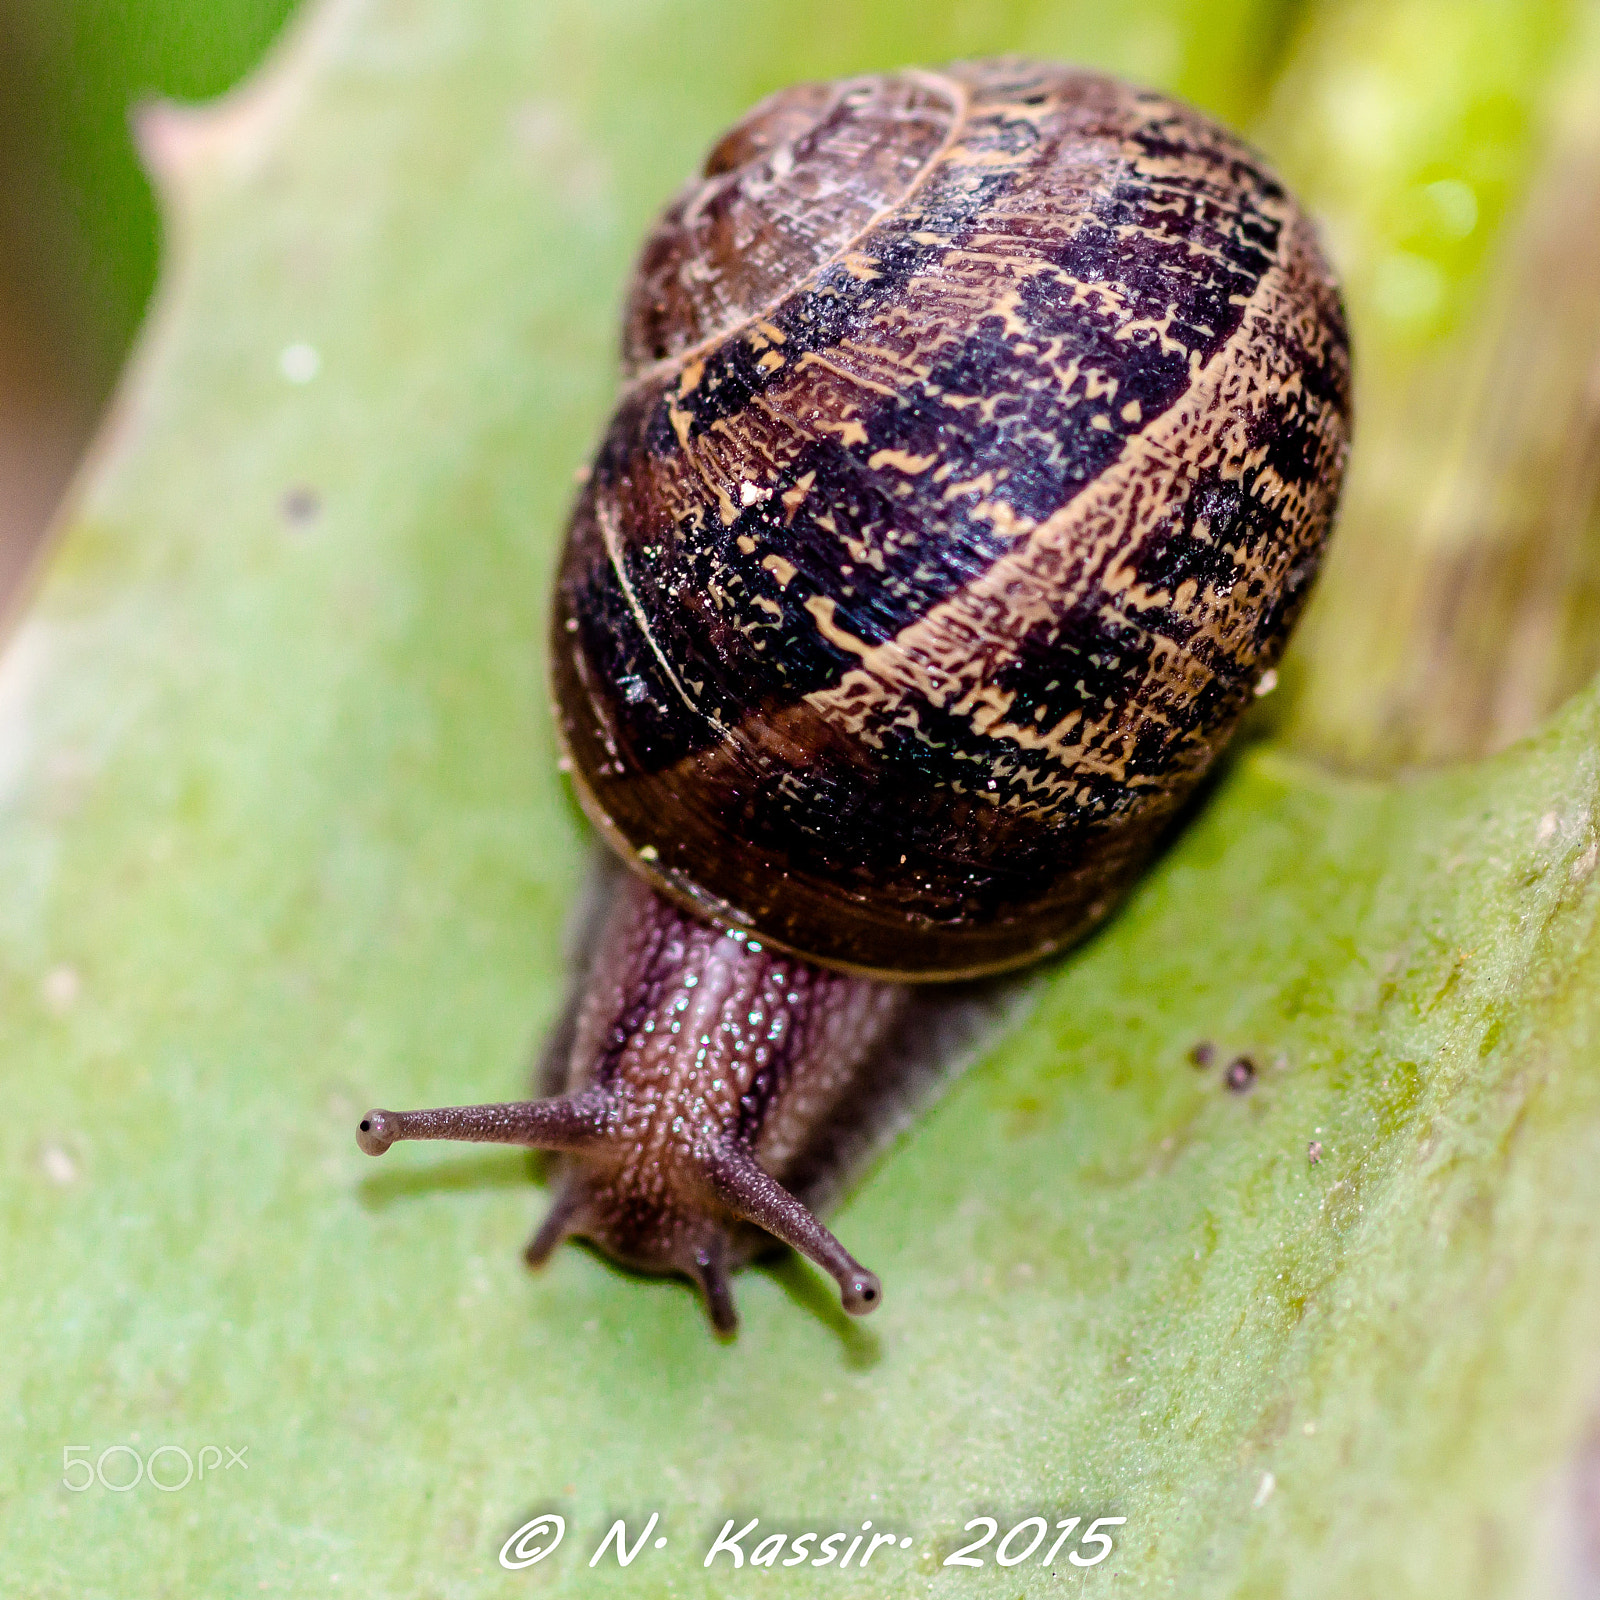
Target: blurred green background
[79,234]
[281,836]
[1416,133]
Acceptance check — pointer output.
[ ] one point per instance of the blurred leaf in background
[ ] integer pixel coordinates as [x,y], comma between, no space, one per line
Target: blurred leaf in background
[78,223]
[282,836]
[1452,151]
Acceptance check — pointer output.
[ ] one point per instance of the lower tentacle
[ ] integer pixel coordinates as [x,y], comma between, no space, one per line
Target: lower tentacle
[711,1270]
[556,1226]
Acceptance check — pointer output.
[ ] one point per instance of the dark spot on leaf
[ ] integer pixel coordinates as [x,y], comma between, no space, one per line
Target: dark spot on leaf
[300,506]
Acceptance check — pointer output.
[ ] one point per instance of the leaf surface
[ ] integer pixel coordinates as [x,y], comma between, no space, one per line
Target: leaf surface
[284,837]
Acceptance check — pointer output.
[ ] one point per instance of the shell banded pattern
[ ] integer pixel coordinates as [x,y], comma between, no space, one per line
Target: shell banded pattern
[980,439]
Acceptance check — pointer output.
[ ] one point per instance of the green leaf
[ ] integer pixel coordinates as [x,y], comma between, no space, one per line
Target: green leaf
[284,837]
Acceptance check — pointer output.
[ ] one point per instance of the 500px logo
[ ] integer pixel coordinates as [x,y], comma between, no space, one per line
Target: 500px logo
[120,1467]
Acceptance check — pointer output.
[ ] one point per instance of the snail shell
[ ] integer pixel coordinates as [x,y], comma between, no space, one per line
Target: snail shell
[980,435]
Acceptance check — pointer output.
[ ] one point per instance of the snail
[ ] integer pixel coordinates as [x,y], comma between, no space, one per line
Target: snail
[979,434]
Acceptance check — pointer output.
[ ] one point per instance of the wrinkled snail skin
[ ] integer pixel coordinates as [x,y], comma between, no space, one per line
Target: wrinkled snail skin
[704,1071]
[980,433]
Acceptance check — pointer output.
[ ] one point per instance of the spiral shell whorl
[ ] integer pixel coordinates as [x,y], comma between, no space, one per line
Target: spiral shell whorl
[782,192]
[910,594]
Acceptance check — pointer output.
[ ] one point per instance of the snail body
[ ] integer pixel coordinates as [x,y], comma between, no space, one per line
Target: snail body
[979,436]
